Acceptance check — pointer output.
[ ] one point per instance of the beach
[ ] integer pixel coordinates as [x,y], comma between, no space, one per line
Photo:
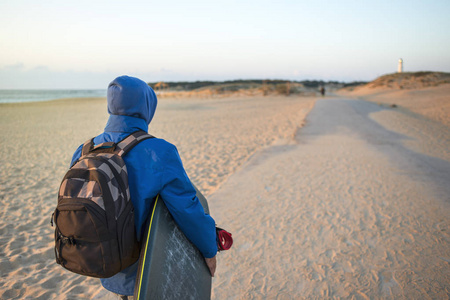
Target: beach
[214,137]
[334,197]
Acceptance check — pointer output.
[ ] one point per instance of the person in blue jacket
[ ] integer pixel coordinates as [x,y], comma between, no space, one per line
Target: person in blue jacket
[154,167]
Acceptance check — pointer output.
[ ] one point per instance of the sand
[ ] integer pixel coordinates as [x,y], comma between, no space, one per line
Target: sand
[345,211]
[348,201]
[431,102]
[214,136]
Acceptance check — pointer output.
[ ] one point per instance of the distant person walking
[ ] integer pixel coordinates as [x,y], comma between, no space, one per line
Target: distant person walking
[322,91]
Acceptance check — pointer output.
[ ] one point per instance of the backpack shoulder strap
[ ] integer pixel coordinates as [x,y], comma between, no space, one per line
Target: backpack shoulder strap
[130,141]
[87,147]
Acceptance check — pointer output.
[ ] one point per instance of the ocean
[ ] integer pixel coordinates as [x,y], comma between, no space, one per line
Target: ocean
[14,96]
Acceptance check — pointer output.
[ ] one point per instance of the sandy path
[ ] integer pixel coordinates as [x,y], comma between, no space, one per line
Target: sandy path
[357,206]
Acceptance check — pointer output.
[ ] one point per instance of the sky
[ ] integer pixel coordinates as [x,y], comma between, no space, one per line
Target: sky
[85,44]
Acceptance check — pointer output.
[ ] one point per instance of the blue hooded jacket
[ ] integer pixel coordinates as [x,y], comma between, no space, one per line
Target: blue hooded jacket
[154,167]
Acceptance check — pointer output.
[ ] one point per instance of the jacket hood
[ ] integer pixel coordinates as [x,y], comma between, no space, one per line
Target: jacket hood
[130,96]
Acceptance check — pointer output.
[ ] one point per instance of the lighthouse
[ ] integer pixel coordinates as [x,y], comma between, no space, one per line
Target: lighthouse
[400,65]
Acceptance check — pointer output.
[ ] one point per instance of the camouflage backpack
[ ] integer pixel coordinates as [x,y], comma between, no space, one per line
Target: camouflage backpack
[94,218]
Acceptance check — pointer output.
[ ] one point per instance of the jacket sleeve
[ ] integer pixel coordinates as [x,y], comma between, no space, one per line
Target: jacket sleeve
[76,155]
[180,198]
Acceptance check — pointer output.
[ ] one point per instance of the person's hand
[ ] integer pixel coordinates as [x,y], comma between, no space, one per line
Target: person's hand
[211,263]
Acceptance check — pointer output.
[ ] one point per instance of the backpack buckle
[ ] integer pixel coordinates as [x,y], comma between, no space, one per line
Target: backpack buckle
[67,239]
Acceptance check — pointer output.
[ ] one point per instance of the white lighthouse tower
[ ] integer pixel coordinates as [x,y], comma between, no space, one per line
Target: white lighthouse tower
[400,66]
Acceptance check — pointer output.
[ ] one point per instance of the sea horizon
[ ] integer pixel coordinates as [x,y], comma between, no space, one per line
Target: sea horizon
[38,95]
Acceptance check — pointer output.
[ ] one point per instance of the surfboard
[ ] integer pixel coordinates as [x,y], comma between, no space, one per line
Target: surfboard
[170,266]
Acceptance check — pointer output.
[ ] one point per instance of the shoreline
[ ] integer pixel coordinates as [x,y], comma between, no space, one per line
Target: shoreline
[56,101]
[39,95]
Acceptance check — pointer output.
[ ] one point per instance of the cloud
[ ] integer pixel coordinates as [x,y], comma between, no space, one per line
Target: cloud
[14,67]
[41,77]
[41,69]
[18,76]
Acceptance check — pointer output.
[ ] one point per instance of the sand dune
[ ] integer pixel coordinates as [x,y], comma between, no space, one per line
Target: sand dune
[428,95]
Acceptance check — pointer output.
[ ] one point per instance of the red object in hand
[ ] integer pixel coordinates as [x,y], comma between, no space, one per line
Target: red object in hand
[224,239]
